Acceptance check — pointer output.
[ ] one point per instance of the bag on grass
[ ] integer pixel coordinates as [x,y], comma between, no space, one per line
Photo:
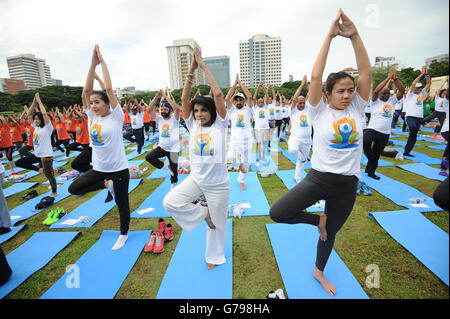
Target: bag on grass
[45,202]
[389,152]
[135,172]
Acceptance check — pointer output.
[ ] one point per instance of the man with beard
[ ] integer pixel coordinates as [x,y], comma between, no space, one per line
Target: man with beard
[240,114]
[169,135]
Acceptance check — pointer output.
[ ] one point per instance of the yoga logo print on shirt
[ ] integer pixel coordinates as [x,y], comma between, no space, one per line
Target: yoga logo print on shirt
[304,121]
[78,131]
[271,111]
[387,110]
[36,138]
[261,114]
[240,120]
[419,101]
[165,130]
[96,135]
[202,145]
[345,133]
[134,121]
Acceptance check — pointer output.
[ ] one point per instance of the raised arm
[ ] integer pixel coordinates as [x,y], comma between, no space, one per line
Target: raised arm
[42,109]
[230,94]
[421,75]
[152,104]
[298,92]
[398,85]
[246,92]
[89,84]
[382,84]
[107,80]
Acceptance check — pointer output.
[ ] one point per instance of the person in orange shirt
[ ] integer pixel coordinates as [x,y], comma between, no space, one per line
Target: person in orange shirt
[61,131]
[6,146]
[24,151]
[147,120]
[15,131]
[82,162]
[70,123]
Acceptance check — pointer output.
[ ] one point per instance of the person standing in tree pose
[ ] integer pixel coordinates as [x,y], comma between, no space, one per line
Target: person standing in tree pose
[206,119]
[240,114]
[270,102]
[136,112]
[413,105]
[377,133]
[337,148]
[444,133]
[439,108]
[261,119]
[108,153]
[299,132]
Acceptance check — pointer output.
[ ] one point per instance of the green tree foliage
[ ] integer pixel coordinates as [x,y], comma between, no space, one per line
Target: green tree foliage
[439,69]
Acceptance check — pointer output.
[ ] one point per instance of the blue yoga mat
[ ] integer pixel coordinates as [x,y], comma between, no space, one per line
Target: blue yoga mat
[14,230]
[155,200]
[95,208]
[261,166]
[423,170]
[101,270]
[401,143]
[27,210]
[426,241]
[28,174]
[136,163]
[187,276]
[419,157]
[16,170]
[32,255]
[400,193]
[419,137]
[293,159]
[438,147]
[295,249]
[71,155]
[381,162]
[287,177]
[253,195]
[18,187]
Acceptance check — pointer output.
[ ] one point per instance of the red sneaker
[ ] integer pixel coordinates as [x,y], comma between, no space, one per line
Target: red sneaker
[151,243]
[168,233]
[161,225]
[159,243]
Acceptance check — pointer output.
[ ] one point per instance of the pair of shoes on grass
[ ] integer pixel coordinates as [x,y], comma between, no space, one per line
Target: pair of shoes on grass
[164,233]
[54,215]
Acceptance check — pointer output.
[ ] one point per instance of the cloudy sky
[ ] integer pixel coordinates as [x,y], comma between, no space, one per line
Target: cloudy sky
[133,34]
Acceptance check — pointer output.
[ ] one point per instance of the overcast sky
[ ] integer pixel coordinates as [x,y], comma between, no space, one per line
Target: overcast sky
[133,34]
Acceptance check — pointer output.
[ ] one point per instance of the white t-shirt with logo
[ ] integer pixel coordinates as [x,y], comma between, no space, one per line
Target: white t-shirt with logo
[445,124]
[241,128]
[381,115]
[278,113]
[413,104]
[207,151]
[284,112]
[137,121]
[261,117]
[42,140]
[338,137]
[399,105]
[105,134]
[439,104]
[271,110]
[300,125]
[169,133]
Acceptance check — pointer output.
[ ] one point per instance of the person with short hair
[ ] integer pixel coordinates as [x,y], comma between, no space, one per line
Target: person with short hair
[261,120]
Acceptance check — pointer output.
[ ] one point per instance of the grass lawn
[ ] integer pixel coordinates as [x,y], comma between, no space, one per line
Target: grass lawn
[361,242]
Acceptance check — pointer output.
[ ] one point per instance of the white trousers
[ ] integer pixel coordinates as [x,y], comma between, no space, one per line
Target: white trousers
[239,153]
[300,151]
[178,203]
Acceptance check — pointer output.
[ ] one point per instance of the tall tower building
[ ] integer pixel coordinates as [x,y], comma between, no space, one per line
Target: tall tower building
[180,57]
[260,60]
[34,72]
[220,69]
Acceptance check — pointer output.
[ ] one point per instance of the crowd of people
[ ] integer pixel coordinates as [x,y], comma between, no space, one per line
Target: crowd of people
[337,125]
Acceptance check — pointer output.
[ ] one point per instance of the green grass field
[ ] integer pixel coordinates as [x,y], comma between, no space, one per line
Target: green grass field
[360,242]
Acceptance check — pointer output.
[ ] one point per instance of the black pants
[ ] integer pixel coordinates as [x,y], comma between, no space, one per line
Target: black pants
[138,138]
[63,142]
[94,180]
[278,126]
[82,162]
[373,146]
[440,195]
[445,135]
[46,163]
[395,118]
[25,150]
[413,125]
[441,117]
[339,193]
[75,146]
[285,123]
[154,156]
[28,161]
[151,124]
[403,116]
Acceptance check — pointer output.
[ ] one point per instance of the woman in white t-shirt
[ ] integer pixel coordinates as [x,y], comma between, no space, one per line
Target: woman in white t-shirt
[378,130]
[43,150]
[206,119]
[444,133]
[109,162]
[337,148]
[439,108]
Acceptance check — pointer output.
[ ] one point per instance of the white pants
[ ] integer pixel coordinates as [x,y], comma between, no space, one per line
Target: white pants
[300,151]
[178,203]
[238,153]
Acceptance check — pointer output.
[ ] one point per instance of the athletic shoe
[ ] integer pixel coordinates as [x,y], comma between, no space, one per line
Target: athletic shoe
[110,187]
[159,243]
[168,233]
[49,217]
[280,293]
[272,295]
[150,243]
[30,195]
[374,176]
[161,225]
[60,213]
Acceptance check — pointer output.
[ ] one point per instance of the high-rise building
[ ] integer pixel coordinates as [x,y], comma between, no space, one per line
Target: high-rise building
[34,72]
[11,86]
[434,59]
[260,60]
[180,57]
[381,62]
[219,66]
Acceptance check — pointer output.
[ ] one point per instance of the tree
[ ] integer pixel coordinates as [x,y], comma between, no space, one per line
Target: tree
[439,69]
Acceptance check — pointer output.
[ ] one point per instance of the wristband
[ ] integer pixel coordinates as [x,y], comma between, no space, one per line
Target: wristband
[427,76]
[421,75]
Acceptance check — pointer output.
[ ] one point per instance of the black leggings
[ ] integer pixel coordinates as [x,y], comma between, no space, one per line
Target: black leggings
[64,142]
[138,138]
[440,195]
[374,143]
[75,146]
[8,152]
[95,180]
[439,115]
[82,162]
[154,156]
[285,123]
[445,135]
[25,150]
[278,126]
[339,193]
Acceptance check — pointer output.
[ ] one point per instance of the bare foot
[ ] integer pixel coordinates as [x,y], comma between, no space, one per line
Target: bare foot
[209,221]
[243,186]
[211,266]
[322,227]
[53,194]
[329,287]
[41,171]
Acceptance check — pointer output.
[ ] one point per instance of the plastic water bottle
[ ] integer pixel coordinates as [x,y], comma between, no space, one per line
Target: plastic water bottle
[417,200]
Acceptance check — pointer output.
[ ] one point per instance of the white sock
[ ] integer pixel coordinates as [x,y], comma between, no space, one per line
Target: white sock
[111,187]
[167,168]
[120,242]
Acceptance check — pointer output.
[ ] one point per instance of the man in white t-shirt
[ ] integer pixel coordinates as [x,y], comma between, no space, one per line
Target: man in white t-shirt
[261,120]
[240,114]
[137,126]
[169,136]
[413,105]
